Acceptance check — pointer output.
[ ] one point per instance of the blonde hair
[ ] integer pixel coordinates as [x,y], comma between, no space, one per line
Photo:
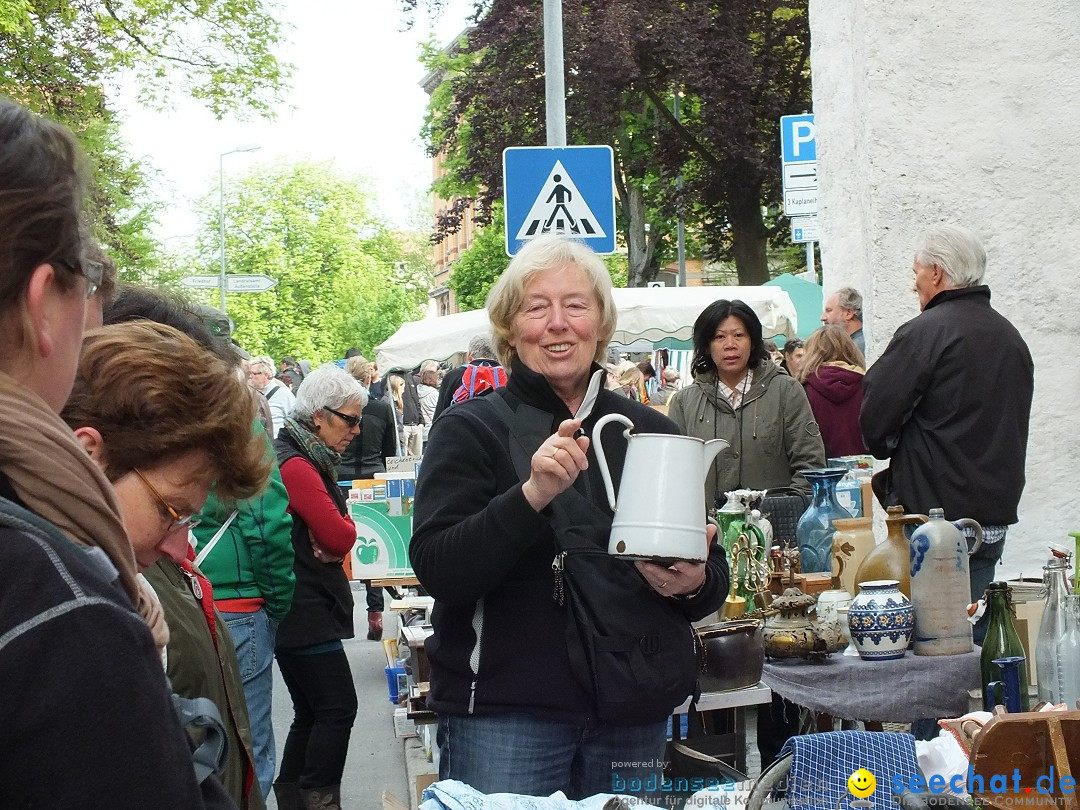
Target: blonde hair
[829,344]
[397,386]
[547,253]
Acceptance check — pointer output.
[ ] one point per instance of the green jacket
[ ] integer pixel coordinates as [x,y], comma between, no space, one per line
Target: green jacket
[254,558]
[773,437]
[196,670]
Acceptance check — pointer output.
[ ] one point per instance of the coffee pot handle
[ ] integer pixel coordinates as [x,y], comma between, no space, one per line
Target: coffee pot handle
[605,473]
[978,532]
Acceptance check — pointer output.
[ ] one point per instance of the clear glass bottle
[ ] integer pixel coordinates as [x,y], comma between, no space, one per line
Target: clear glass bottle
[1002,641]
[1057,645]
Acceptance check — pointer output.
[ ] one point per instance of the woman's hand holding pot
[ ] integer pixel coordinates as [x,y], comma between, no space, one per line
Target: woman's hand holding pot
[681,579]
[556,465]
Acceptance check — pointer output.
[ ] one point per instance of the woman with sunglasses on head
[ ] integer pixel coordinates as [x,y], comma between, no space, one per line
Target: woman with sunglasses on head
[309,651]
[84,698]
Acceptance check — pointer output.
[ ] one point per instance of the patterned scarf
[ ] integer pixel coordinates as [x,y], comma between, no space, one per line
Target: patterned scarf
[325,458]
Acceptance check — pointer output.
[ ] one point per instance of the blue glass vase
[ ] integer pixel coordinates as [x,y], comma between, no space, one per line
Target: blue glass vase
[814,532]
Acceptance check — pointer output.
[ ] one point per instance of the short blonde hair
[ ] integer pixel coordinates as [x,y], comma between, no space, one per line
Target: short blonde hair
[540,254]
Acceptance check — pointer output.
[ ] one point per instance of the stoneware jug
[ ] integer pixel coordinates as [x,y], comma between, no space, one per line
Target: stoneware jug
[853,540]
[660,513]
[940,586]
[891,559]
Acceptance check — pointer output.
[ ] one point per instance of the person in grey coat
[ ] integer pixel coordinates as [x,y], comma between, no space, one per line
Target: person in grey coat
[740,395]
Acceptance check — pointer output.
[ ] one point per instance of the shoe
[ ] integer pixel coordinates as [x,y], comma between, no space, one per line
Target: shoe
[374,627]
[324,798]
[288,796]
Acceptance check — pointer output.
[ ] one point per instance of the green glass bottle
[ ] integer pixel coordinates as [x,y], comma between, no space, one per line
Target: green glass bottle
[1002,641]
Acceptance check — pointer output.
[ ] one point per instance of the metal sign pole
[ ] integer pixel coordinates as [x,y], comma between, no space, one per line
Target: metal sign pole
[810,257]
[554,86]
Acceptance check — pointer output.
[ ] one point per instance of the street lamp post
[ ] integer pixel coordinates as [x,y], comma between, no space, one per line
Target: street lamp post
[221,209]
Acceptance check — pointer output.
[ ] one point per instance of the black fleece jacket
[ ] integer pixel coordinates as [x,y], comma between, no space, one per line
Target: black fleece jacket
[949,401]
[485,555]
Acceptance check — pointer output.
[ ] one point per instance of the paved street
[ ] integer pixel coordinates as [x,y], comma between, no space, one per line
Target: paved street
[376,757]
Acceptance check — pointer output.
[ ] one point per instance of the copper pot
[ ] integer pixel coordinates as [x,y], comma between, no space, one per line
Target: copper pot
[734,655]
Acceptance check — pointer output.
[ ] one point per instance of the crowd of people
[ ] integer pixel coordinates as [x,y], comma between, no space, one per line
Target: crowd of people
[175,511]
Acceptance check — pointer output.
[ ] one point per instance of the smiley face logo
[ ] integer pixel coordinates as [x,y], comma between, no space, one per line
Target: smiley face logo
[861,783]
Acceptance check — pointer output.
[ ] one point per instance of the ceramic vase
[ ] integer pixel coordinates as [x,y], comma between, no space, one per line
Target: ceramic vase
[891,559]
[814,531]
[881,620]
[853,540]
[940,585]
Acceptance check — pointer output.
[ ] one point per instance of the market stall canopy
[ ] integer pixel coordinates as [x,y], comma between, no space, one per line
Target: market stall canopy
[647,315]
[808,299]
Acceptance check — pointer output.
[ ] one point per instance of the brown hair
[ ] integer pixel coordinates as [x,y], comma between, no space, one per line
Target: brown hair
[359,368]
[155,394]
[42,198]
[430,377]
[829,344]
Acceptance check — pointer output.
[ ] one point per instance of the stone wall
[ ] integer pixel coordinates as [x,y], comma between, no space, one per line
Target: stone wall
[966,112]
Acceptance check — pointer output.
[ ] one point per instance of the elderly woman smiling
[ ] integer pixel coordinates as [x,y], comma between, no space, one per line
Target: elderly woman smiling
[516,711]
[309,650]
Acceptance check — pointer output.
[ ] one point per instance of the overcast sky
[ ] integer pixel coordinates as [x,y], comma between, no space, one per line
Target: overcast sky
[355,99]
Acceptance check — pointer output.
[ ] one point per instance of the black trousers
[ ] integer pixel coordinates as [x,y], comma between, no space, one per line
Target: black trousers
[324,708]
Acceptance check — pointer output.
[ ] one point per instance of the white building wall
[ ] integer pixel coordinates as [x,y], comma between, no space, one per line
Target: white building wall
[966,112]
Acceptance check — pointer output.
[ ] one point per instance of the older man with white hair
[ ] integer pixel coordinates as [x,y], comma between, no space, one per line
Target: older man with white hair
[950,399]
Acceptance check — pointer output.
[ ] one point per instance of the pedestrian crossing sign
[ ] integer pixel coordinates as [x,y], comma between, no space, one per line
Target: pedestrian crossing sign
[568,190]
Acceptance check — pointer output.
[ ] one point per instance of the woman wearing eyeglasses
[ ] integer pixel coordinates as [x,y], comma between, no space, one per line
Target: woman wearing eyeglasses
[84,695]
[309,651]
[165,419]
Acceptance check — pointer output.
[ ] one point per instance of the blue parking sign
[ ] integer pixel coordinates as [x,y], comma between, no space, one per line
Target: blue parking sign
[568,190]
[797,143]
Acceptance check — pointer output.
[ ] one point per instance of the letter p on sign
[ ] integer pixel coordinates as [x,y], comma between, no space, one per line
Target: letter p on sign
[797,138]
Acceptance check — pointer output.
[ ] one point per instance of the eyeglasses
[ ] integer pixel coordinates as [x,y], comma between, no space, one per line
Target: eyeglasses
[176,521]
[351,421]
[92,271]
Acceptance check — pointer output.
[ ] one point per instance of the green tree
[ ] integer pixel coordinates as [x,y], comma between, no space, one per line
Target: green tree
[739,65]
[62,59]
[344,279]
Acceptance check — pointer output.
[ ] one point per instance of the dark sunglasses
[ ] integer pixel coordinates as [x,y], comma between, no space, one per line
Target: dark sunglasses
[351,421]
[92,271]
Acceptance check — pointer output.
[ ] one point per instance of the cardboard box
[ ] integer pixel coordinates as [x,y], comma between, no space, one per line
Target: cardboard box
[403,726]
[422,781]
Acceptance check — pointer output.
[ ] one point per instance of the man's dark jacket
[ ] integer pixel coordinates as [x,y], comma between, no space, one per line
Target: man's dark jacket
[367,453]
[485,555]
[949,401]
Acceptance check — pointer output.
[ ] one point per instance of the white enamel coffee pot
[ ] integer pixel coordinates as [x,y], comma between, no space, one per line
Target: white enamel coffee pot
[660,514]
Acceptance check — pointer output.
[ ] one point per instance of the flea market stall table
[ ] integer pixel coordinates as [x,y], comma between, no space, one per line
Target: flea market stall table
[900,690]
[725,720]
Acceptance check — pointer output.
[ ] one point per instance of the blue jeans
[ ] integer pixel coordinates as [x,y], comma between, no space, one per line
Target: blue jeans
[253,636]
[520,753]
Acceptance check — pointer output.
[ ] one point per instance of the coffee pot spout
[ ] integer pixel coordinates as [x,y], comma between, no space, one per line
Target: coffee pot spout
[710,451]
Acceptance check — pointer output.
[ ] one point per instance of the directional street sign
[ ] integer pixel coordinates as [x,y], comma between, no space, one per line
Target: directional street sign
[234,283]
[242,283]
[568,190]
[804,229]
[798,155]
[800,176]
[201,282]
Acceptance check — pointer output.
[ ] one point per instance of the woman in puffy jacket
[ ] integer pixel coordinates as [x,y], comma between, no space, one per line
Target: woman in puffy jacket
[832,374]
[740,395]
